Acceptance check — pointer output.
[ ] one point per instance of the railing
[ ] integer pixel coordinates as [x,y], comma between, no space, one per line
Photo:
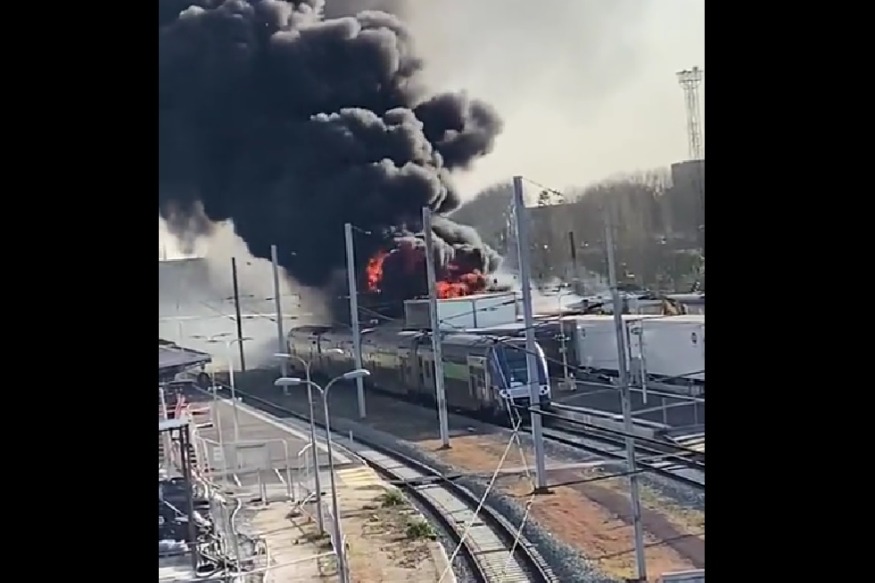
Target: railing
[206,475]
[232,469]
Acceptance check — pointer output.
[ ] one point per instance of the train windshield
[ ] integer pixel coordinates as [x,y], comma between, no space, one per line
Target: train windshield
[514,363]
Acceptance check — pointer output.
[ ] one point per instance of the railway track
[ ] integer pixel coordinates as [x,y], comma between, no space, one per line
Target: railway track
[487,541]
[662,458]
[669,459]
[654,459]
[663,451]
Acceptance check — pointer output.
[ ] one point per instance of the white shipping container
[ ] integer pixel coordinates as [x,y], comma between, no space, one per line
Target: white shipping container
[597,340]
[673,347]
[480,311]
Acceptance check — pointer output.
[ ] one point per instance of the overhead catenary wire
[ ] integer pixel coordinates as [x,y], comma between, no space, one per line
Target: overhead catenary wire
[501,340]
[576,421]
[531,478]
[512,412]
[480,504]
[508,342]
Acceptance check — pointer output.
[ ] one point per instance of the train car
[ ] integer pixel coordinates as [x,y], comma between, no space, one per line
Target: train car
[586,344]
[481,374]
[595,339]
[549,332]
[672,351]
[662,352]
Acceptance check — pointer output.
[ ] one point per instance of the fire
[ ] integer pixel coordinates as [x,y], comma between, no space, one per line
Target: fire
[375,271]
[465,284]
[454,280]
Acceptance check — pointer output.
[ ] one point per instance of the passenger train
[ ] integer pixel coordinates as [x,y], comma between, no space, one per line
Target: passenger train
[482,374]
[664,352]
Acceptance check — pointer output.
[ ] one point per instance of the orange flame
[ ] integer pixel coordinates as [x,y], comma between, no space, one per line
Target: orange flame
[465,284]
[452,283]
[375,271]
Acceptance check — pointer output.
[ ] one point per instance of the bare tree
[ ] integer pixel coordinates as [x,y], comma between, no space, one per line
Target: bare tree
[655,223]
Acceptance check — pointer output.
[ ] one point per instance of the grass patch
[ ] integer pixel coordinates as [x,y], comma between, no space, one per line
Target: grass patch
[418,529]
[391,498]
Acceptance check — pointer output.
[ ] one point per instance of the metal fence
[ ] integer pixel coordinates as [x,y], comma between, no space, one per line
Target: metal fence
[246,469]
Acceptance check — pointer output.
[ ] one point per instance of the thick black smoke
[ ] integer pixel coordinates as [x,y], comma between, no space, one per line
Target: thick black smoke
[291,124]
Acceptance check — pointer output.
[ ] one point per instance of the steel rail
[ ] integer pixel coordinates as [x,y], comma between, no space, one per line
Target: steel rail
[490,536]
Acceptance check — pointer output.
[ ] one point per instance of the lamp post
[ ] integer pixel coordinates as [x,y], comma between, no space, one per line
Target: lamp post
[314,452]
[359,373]
[215,339]
[228,345]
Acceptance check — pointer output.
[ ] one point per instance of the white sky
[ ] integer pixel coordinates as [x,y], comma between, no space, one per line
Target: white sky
[587,88]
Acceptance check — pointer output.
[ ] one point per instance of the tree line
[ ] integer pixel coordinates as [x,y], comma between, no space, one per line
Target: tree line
[658,229]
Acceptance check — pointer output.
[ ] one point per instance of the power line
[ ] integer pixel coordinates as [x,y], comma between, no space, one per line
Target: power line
[480,504]
[507,340]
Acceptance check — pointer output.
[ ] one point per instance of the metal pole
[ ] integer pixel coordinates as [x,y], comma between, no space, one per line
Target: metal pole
[354,316]
[219,431]
[315,453]
[572,246]
[237,312]
[338,537]
[233,390]
[435,330]
[288,471]
[166,438]
[189,500]
[626,405]
[522,231]
[179,323]
[566,373]
[280,335]
[232,534]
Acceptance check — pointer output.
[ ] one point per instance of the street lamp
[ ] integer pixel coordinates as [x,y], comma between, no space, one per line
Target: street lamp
[217,416]
[359,373]
[313,450]
[228,344]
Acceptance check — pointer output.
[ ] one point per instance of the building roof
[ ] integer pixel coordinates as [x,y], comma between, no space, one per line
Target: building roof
[173,359]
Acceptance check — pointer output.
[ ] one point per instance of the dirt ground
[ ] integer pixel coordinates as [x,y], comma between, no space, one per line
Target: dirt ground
[382,548]
[593,516]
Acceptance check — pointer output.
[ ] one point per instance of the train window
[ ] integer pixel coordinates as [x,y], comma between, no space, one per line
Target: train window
[478,381]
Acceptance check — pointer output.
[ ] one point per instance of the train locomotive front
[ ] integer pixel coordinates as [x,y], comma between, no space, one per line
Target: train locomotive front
[483,375]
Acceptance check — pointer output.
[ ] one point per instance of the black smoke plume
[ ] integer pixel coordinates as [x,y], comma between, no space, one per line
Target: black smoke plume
[290,124]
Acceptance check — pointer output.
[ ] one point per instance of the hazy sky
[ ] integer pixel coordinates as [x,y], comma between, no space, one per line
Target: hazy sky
[587,88]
